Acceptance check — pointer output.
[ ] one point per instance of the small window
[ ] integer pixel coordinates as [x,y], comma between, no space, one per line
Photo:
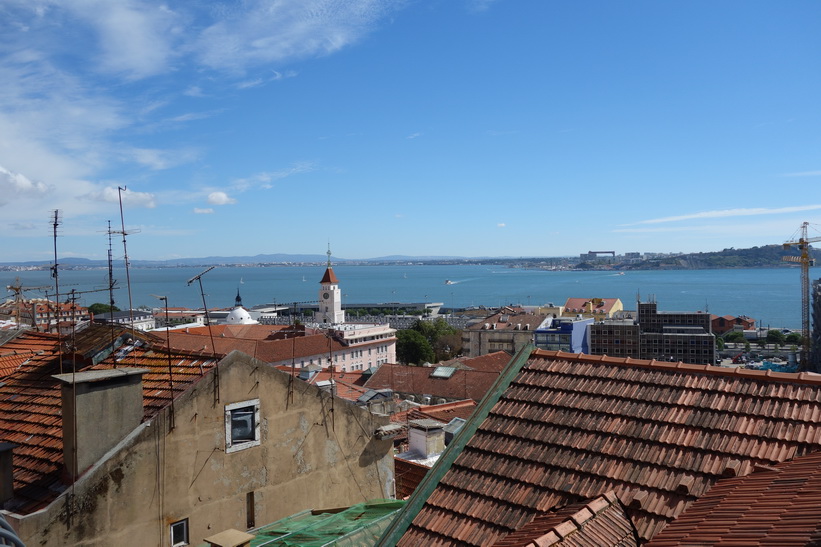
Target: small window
[241,425]
[179,533]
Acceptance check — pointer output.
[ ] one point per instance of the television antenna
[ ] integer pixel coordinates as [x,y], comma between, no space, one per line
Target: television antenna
[198,278]
[164,299]
[120,190]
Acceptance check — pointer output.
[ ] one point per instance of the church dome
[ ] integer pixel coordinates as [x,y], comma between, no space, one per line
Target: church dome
[239,316]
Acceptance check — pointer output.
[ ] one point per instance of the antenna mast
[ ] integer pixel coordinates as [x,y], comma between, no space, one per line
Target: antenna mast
[111,282]
[170,367]
[54,224]
[198,278]
[120,190]
[54,273]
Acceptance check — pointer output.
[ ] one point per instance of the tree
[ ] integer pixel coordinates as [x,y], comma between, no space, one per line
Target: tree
[413,348]
[775,336]
[734,336]
[98,308]
[719,343]
[794,338]
[445,340]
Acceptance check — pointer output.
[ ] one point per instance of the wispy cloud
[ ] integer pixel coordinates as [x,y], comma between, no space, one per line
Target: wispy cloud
[243,37]
[728,213]
[501,225]
[199,211]
[72,97]
[414,135]
[479,5]
[111,194]
[220,198]
[265,178]
[160,159]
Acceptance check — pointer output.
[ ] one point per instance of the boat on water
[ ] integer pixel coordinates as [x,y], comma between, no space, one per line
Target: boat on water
[449,282]
[621,273]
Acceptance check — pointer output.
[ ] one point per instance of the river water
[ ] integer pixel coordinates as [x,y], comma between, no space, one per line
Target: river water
[771,296]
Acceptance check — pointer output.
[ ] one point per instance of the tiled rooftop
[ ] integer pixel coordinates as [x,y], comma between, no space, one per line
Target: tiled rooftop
[568,428]
[408,475]
[23,346]
[775,506]
[266,350]
[490,362]
[600,522]
[510,319]
[348,385]
[30,403]
[587,305]
[463,384]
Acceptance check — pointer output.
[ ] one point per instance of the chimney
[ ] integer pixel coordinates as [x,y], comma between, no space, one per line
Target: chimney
[6,472]
[426,437]
[100,407]
[230,538]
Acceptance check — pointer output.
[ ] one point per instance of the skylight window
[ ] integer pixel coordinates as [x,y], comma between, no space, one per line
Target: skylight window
[442,372]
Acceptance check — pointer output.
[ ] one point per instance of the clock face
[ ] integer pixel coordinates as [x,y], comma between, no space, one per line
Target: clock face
[325,296]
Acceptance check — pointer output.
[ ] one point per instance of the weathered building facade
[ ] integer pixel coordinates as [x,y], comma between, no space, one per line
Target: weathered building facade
[242,444]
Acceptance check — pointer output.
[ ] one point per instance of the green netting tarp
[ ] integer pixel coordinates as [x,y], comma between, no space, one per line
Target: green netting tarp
[361,524]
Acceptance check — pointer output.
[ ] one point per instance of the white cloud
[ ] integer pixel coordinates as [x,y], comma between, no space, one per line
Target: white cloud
[728,213]
[220,198]
[134,38]
[160,159]
[247,36]
[199,211]
[70,102]
[247,84]
[501,225]
[414,135]
[14,185]
[264,178]
[111,194]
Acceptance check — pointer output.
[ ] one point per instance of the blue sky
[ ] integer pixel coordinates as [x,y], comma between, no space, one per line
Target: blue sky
[440,127]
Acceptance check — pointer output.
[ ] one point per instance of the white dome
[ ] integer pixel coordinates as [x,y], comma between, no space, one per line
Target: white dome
[239,316]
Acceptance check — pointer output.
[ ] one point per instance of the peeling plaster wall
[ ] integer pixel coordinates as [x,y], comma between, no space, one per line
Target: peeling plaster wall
[315,452]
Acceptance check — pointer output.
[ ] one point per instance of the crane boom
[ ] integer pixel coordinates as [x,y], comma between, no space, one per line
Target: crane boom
[805,261]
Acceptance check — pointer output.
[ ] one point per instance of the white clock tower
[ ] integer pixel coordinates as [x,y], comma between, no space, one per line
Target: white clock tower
[330,297]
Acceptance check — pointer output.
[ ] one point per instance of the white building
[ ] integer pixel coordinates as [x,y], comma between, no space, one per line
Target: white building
[365,345]
[330,298]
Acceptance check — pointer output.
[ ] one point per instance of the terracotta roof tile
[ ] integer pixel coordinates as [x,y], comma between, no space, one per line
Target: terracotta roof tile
[348,384]
[463,384]
[571,427]
[775,505]
[510,319]
[490,362]
[408,474]
[30,403]
[601,521]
